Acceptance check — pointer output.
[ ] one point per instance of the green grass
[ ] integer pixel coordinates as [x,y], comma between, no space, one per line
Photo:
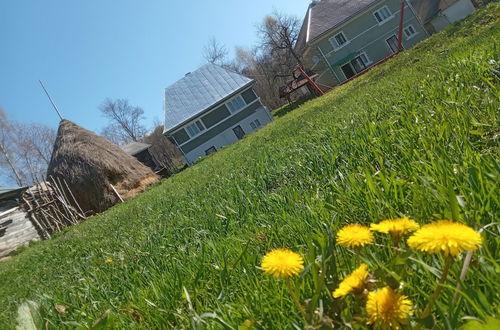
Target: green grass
[417,136]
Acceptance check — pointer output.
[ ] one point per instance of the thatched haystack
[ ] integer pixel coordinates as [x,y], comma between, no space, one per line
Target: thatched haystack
[90,164]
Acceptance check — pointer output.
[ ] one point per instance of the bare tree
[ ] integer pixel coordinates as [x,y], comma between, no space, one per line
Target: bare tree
[265,70]
[25,150]
[278,35]
[125,121]
[164,151]
[215,52]
[8,159]
[34,144]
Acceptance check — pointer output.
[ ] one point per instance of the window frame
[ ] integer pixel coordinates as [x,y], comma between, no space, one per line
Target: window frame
[238,96]
[210,150]
[353,68]
[334,43]
[379,11]
[415,32]
[199,126]
[389,45]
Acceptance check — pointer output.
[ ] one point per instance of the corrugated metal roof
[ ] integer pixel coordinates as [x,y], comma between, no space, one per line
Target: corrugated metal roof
[133,148]
[198,91]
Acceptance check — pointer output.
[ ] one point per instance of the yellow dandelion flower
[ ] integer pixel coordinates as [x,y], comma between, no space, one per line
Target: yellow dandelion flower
[353,282]
[388,309]
[448,237]
[282,263]
[395,227]
[108,261]
[354,236]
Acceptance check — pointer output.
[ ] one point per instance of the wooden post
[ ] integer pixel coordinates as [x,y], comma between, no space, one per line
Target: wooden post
[116,192]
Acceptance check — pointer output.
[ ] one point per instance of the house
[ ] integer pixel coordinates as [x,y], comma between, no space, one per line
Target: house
[210,108]
[141,152]
[16,228]
[341,38]
[435,15]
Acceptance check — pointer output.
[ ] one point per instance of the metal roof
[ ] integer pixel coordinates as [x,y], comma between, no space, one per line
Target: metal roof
[198,91]
[325,15]
[133,148]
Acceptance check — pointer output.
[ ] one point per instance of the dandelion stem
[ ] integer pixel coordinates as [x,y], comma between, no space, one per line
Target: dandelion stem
[295,298]
[439,287]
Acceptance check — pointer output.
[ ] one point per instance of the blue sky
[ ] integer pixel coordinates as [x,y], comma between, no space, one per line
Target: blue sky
[87,50]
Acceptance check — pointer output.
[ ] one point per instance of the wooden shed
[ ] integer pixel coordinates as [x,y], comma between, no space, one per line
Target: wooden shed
[16,228]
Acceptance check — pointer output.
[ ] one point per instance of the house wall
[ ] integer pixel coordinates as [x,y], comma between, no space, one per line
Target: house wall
[457,11]
[224,135]
[219,124]
[364,34]
[16,228]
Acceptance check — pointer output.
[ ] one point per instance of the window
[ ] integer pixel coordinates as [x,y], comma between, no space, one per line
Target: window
[382,15]
[355,66]
[210,150]
[393,43]
[338,41]
[238,131]
[360,63]
[195,128]
[348,70]
[236,104]
[410,31]
[254,124]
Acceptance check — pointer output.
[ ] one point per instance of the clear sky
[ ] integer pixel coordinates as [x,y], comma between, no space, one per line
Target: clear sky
[87,50]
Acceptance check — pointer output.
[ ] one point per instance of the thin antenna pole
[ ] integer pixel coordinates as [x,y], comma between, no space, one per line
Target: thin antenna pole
[50,99]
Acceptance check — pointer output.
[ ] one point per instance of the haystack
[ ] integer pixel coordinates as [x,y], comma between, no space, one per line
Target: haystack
[92,166]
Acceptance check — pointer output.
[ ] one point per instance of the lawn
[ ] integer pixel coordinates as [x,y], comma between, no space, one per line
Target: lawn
[417,137]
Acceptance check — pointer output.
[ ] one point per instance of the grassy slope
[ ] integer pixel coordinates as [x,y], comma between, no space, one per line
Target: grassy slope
[405,139]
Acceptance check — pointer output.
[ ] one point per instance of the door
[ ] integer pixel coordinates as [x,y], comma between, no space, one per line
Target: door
[348,70]
[393,43]
[238,131]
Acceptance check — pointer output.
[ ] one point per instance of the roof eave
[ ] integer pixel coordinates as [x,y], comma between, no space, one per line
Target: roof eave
[321,35]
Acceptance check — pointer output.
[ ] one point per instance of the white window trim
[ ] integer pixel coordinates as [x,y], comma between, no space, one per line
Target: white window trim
[233,98]
[191,123]
[333,41]
[352,66]
[385,20]
[368,58]
[389,46]
[198,118]
[394,30]
[413,35]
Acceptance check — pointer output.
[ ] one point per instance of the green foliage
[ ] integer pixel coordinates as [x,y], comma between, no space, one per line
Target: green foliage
[417,136]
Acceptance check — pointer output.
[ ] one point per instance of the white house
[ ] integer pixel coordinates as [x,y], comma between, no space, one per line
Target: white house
[210,108]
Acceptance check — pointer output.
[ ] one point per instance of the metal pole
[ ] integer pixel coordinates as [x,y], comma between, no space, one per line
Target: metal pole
[401,22]
[50,99]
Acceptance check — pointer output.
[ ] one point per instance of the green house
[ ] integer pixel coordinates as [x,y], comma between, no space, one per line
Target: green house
[340,38]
